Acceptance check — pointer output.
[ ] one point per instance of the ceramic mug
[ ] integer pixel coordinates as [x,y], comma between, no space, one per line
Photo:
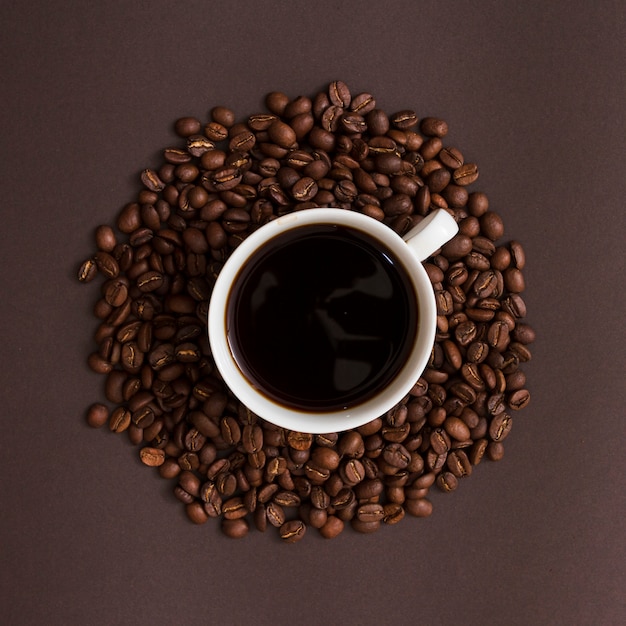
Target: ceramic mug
[407,254]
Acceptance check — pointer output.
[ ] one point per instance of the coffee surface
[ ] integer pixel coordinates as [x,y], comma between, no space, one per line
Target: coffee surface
[322,318]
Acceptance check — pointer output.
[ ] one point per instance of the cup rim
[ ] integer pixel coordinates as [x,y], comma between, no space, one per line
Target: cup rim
[322,421]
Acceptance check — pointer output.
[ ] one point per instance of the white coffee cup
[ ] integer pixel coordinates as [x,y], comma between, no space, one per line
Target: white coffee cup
[417,245]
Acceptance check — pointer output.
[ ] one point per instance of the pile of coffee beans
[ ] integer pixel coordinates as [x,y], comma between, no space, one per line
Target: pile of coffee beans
[218,183]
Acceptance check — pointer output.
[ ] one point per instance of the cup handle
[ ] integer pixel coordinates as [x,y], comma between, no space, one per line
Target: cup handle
[431,233]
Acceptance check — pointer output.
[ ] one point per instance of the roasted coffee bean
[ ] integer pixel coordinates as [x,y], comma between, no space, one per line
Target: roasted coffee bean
[150,281]
[292,531]
[339,94]
[305,189]
[439,441]
[500,427]
[315,473]
[186,126]
[235,528]
[364,527]
[351,445]
[88,271]
[514,280]
[223,115]
[362,103]
[458,247]
[418,507]
[352,472]
[151,180]
[99,364]
[299,440]
[326,457]
[196,513]
[477,351]
[434,127]
[332,527]
[282,134]
[115,292]
[491,225]
[447,482]
[105,238]
[152,457]
[458,463]
[518,256]
[97,415]
[519,399]
[107,264]
[466,174]
[392,513]
[451,157]
[404,120]
[396,455]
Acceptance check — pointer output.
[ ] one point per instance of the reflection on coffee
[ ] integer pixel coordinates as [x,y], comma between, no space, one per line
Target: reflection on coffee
[322,318]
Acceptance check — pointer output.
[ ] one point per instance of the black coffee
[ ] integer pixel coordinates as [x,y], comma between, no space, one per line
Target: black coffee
[322,318]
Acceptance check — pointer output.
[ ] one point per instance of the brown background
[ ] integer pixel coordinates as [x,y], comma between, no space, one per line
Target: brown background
[534,92]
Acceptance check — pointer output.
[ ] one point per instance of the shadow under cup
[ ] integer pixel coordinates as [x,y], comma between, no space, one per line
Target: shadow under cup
[322,320]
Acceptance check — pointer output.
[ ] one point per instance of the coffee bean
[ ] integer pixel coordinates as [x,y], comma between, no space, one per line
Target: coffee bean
[151,180]
[351,445]
[186,126]
[292,531]
[282,134]
[392,513]
[500,426]
[434,127]
[404,120]
[439,441]
[451,157]
[107,264]
[326,457]
[447,482]
[466,174]
[332,527]
[299,440]
[377,122]
[196,513]
[235,528]
[339,94]
[363,103]
[519,399]
[297,106]
[152,457]
[364,527]
[495,451]
[305,189]
[223,115]
[150,281]
[105,238]
[419,507]
[352,472]
[97,415]
[458,463]
[99,364]
[396,455]
[197,145]
[498,336]
[116,292]
[88,271]
[514,280]
[458,247]
[491,225]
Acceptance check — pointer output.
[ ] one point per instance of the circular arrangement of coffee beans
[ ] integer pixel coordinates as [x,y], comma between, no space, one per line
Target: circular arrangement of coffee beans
[223,180]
